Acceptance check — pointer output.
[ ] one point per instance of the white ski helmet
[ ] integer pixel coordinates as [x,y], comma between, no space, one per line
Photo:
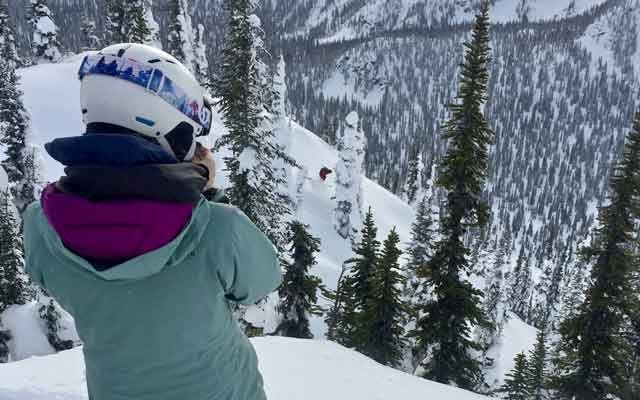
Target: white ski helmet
[147,91]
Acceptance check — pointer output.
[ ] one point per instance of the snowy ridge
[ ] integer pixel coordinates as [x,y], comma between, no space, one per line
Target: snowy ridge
[335,373]
[358,19]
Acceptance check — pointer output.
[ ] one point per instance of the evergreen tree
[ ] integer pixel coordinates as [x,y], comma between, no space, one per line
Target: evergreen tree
[282,131]
[538,368]
[519,290]
[516,384]
[45,45]
[14,123]
[201,62]
[335,317]
[127,21]
[89,37]
[357,291]
[447,320]
[250,136]
[51,316]
[153,38]
[298,292]
[5,337]
[181,37]
[349,178]
[383,317]
[8,50]
[592,352]
[32,182]
[14,288]
[415,173]
[419,253]
[494,304]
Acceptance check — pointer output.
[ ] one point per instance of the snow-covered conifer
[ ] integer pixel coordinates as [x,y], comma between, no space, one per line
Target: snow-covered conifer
[90,39]
[14,288]
[384,313]
[516,384]
[495,304]
[8,50]
[448,319]
[519,286]
[181,37]
[282,131]
[419,252]
[127,22]
[50,314]
[348,211]
[45,45]
[153,39]
[298,293]
[5,337]
[250,137]
[14,125]
[413,187]
[201,62]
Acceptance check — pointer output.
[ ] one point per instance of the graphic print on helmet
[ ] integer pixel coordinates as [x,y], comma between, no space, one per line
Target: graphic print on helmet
[151,78]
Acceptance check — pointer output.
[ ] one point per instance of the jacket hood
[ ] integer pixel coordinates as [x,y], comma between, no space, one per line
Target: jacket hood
[110,231]
[121,150]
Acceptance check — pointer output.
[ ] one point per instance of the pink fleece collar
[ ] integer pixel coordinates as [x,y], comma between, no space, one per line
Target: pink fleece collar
[113,231]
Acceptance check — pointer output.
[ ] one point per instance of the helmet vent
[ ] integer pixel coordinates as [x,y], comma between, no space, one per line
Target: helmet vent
[155,60]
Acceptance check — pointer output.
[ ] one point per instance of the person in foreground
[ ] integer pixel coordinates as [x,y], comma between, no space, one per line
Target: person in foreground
[127,243]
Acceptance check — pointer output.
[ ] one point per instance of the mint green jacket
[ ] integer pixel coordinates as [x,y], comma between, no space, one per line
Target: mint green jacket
[160,326]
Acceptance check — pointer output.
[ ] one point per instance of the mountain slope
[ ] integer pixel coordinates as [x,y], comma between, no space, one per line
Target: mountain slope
[51,94]
[293,369]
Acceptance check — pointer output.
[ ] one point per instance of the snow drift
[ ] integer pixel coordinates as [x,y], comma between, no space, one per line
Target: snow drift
[293,370]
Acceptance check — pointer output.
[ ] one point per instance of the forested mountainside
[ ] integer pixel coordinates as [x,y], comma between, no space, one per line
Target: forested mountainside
[562,94]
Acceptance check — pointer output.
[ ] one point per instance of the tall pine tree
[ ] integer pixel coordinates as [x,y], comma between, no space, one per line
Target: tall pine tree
[384,315]
[516,383]
[180,36]
[519,286]
[153,38]
[14,125]
[14,288]
[448,319]
[250,136]
[357,289]
[592,352]
[419,252]
[8,50]
[298,292]
[538,378]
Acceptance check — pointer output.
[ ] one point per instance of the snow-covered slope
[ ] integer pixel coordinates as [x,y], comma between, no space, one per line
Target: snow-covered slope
[349,19]
[293,370]
[51,96]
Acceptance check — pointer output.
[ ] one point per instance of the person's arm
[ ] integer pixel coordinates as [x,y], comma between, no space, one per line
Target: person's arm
[255,269]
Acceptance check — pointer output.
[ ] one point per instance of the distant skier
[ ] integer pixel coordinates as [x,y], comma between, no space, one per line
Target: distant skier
[128,244]
[324,173]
